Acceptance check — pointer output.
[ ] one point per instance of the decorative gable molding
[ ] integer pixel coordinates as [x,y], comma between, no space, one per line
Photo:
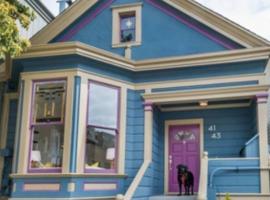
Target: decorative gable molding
[190,7]
[219,23]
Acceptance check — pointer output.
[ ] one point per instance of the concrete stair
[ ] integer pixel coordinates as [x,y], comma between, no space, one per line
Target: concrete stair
[168,197]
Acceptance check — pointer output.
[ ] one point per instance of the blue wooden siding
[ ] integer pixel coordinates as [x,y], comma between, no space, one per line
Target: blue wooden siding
[153,180]
[252,147]
[234,124]
[162,34]
[234,181]
[134,135]
[6,182]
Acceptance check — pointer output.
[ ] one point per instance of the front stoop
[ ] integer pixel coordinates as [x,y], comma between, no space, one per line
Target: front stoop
[173,197]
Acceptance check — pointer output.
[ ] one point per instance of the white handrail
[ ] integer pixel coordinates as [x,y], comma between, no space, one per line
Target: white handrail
[202,194]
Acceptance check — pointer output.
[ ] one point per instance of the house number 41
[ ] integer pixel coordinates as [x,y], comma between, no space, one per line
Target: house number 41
[214,133]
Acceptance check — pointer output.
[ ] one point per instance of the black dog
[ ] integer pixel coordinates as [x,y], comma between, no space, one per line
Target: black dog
[186,179]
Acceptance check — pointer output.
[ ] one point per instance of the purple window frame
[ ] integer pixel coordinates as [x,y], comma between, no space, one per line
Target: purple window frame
[117,129]
[33,124]
[123,15]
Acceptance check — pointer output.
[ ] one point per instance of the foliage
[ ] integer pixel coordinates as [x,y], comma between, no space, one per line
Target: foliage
[227,197]
[12,14]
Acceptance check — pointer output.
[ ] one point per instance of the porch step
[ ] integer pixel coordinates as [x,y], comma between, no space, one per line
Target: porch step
[168,197]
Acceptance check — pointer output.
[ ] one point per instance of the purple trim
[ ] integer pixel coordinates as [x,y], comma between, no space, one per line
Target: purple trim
[262,97]
[189,24]
[148,106]
[117,129]
[34,84]
[89,18]
[113,182]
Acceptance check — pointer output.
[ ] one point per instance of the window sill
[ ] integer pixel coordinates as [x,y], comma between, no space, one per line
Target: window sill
[126,44]
[73,175]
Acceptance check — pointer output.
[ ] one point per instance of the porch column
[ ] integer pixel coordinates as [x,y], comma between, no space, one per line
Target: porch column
[262,116]
[148,130]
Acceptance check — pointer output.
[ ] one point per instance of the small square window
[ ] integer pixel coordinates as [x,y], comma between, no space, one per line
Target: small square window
[127,21]
[128,27]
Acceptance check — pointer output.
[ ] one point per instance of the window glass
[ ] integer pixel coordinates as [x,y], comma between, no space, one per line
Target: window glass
[47,126]
[127,27]
[102,128]
[103,106]
[49,102]
[100,148]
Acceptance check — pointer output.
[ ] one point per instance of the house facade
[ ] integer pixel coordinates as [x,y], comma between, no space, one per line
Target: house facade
[115,94]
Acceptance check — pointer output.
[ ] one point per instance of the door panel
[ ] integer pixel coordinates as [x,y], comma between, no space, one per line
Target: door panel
[184,148]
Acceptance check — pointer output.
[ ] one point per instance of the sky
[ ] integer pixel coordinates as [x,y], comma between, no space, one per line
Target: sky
[251,14]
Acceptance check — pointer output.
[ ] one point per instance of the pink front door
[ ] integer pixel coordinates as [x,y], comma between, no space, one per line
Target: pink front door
[184,148]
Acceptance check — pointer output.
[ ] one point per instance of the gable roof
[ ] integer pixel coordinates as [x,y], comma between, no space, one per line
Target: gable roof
[195,10]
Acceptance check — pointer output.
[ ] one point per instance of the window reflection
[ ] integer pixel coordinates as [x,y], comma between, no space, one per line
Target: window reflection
[100,148]
[103,106]
[102,128]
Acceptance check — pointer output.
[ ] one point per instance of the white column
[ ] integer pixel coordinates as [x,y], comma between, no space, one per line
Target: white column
[148,130]
[262,116]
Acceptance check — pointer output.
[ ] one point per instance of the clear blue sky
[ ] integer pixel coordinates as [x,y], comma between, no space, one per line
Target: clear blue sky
[251,14]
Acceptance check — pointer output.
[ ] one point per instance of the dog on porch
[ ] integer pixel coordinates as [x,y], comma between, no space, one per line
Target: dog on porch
[185,178]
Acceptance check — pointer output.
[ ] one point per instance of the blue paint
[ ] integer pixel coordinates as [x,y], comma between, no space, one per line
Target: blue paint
[233,123]
[12,116]
[75,124]
[63,193]
[234,181]
[78,62]
[208,86]
[174,38]
[152,182]
[134,135]
[252,147]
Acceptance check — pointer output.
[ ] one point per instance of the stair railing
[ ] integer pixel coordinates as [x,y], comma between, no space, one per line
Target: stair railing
[203,183]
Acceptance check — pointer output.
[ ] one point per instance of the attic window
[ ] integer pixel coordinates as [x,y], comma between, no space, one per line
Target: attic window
[126,29]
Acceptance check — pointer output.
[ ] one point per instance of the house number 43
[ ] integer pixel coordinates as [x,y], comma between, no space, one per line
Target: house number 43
[214,133]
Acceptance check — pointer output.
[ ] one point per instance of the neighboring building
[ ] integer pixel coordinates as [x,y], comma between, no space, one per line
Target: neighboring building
[115,94]
[43,17]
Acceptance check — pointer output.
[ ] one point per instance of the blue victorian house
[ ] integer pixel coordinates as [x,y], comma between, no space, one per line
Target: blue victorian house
[113,95]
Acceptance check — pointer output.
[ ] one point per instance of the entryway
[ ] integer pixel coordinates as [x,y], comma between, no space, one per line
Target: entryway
[183,146]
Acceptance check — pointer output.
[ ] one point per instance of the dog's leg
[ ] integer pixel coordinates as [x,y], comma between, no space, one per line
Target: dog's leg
[180,188]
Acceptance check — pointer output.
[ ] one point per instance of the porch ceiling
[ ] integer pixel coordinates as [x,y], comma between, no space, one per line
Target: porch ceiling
[212,104]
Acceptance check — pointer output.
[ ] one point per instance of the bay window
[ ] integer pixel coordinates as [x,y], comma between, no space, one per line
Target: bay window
[47,126]
[102,128]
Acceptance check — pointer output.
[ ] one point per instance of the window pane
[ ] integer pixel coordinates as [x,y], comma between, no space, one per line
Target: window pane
[49,102]
[127,27]
[103,106]
[47,146]
[100,149]
[127,22]
[128,35]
